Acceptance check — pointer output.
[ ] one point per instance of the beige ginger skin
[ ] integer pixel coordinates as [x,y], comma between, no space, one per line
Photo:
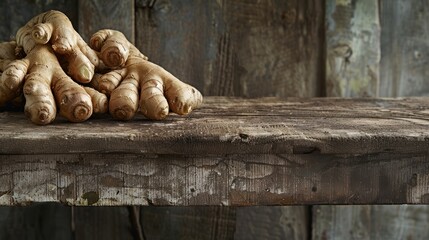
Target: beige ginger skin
[34,64]
[44,83]
[138,82]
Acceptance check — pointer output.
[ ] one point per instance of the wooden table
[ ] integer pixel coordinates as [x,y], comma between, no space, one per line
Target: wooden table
[230,152]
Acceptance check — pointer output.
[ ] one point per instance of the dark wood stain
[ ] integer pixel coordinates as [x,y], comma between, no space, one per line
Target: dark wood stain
[230,48]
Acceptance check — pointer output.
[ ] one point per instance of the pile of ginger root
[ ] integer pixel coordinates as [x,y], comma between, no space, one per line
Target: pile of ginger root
[53,68]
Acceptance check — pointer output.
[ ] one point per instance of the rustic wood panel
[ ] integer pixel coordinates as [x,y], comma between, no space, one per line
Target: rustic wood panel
[232,180]
[272,223]
[240,48]
[237,126]
[353,48]
[405,49]
[232,47]
[36,222]
[97,14]
[209,222]
[230,152]
[371,222]
[402,73]
[14,14]
[99,223]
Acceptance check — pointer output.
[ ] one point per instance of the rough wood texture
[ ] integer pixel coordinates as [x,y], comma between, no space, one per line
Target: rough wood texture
[371,222]
[99,223]
[272,223]
[96,14]
[230,152]
[36,222]
[234,47]
[405,48]
[353,48]
[14,14]
[210,222]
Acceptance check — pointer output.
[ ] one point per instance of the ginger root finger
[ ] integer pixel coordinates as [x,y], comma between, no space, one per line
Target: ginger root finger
[12,72]
[100,103]
[44,70]
[113,46]
[153,104]
[74,102]
[55,27]
[12,80]
[40,103]
[123,103]
[107,82]
[160,91]
[113,50]
[182,98]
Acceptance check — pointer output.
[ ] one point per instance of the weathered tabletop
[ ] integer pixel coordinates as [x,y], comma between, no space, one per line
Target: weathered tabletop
[230,152]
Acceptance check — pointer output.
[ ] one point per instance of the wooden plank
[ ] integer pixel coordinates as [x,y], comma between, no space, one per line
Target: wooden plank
[404,48]
[230,180]
[237,126]
[100,14]
[15,14]
[239,48]
[230,152]
[371,222]
[353,48]
[272,223]
[208,222]
[36,221]
[99,223]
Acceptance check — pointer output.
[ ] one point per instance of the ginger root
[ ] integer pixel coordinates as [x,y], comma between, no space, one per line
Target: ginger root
[138,82]
[7,55]
[55,28]
[44,83]
[34,64]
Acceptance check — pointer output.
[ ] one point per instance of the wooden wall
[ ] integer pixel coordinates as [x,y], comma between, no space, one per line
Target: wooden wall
[248,48]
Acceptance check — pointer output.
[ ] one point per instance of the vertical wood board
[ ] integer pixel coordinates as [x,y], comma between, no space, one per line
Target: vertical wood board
[99,223]
[272,223]
[209,222]
[14,14]
[353,48]
[236,48]
[36,222]
[99,14]
[379,222]
[405,48]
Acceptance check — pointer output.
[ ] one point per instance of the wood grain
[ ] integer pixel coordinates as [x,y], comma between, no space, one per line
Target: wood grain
[37,221]
[231,152]
[404,49]
[371,222]
[236,48]
[237,126]
[96,14]
[353,48]
[207,222]
[15,14]
[99,223]
[272,223]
